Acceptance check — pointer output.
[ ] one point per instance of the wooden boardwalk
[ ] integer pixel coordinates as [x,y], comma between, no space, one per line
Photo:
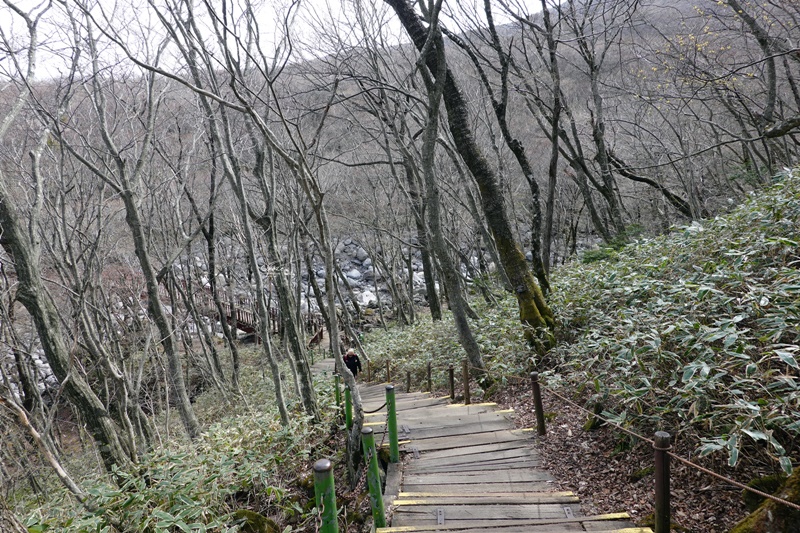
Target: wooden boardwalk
[467,469]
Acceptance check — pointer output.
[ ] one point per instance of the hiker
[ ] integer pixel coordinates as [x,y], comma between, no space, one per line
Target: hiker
[352,362]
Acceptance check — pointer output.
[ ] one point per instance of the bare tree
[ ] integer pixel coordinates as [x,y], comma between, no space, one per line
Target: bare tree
[534,311]
[21,240]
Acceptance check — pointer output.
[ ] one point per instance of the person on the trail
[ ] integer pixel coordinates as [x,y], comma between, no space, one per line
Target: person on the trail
[352,362]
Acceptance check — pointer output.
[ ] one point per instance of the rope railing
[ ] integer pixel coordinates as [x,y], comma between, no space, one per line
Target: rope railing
[662,500]
[323,470]
[650,441]
[372,412]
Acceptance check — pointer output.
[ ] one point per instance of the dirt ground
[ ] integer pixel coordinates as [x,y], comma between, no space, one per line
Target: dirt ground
[611,473]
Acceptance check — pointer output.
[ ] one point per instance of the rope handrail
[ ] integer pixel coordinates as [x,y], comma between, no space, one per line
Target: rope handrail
[675,456]
[375,410]
[634,434]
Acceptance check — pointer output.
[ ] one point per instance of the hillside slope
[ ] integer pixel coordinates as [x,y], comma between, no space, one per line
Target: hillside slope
[697,332]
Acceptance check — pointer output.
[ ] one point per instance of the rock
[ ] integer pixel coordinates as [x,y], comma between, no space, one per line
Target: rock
[367,298]
[367,262]
[354,274]
[252,522]
[321,273]
[529,256]
[348,242]
[769,484]
[361,254]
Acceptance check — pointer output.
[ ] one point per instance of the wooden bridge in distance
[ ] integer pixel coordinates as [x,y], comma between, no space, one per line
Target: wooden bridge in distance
[468,470]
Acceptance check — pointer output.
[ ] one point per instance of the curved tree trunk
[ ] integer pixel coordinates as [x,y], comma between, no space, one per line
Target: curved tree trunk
[113,449]
[156,310]
[450,272]
[534,311]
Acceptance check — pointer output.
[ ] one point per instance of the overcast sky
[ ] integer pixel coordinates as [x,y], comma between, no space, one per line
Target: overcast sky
[311,24]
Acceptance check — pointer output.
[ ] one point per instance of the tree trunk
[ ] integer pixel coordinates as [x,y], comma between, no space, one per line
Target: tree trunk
[534,311]
[33,295]
[9,522]
[176,380]
[287,305]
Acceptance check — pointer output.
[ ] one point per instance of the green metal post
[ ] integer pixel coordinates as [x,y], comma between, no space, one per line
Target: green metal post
[348,408]
[325,496]
[373,478]
[391,425]
[337,393]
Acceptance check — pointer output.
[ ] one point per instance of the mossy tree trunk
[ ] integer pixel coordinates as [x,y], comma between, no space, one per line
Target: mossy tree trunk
[23,248]
[534,311]
[450,274]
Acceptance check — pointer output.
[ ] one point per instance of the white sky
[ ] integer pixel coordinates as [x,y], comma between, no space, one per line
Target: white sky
[136,21]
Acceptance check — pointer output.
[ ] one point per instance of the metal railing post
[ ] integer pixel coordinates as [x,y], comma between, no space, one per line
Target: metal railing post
[337,393]
[373,478]
[537,403]
[325,496]
[661,447]
[430,383]
[391,425]
[452,378]
[465,377]
[348,408]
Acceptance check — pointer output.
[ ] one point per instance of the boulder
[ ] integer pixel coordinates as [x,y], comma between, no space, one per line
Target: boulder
[368,298]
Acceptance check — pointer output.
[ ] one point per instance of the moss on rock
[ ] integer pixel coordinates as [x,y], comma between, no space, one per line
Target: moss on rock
[255,523]
[772,517]
[768,484]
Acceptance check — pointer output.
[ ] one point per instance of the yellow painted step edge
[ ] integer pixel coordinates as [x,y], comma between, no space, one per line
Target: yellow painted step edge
[611,516]
[409,529]
[434,501]
[454,495]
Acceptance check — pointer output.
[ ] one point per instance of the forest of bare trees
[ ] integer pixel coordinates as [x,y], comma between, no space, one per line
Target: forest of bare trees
[163,162]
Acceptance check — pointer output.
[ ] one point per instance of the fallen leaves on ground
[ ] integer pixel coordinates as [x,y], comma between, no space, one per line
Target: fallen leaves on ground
[612,472]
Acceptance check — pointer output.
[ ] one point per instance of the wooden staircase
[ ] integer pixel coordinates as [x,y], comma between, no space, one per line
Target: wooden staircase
[467,469]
